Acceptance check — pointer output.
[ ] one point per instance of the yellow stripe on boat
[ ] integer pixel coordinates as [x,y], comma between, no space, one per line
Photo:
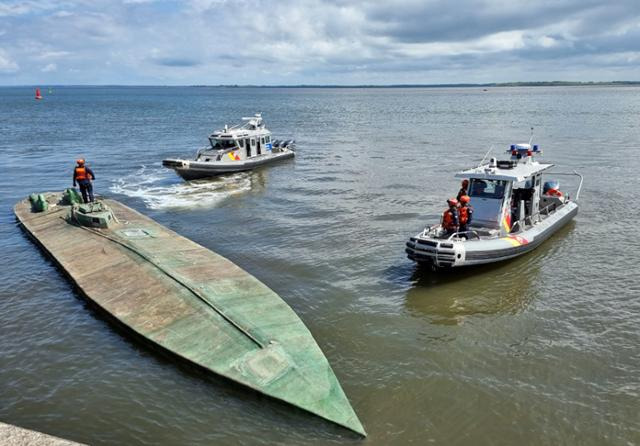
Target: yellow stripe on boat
[516,240]
[506,223]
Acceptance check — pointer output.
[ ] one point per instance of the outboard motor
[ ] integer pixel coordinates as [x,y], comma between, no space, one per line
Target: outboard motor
[551,193]
[550,185]
[276,143]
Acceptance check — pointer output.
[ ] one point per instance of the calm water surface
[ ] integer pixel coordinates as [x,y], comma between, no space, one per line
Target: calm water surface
[539,350]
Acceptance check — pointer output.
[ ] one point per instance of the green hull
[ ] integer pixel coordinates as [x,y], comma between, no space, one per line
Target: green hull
[193,303]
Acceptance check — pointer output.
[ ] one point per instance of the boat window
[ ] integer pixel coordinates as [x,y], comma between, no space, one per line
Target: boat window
[241,142]
[262,140]
[268,138]
[487,188]
[253,142]
[222,143]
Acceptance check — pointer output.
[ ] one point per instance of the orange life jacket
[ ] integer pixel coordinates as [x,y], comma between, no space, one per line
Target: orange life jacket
[81,174]
[464,214]
[449,219]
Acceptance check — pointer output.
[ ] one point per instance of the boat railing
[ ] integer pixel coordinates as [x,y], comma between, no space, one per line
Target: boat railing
[430,230]
[520,225]
[434,231]
[548,208]
[465,234]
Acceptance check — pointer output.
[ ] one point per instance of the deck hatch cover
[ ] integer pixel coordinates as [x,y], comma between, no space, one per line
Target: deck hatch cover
[135,233]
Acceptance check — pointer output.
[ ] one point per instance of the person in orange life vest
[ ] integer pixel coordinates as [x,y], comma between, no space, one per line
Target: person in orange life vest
[450,220]
[463,189]
[82,175]
[465,213]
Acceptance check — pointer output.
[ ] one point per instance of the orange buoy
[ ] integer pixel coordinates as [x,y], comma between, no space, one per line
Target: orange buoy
[38,95]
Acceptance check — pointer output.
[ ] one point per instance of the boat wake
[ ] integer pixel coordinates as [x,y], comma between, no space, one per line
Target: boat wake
[160,188]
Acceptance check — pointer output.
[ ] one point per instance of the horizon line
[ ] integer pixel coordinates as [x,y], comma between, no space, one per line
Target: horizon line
[412,85]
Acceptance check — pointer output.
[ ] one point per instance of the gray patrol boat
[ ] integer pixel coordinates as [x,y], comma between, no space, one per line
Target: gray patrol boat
[234,149]
[513,213]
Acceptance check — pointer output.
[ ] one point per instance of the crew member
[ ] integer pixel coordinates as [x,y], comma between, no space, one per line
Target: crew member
[450,220]
[82,175]
[463,189]
[465,212]
[478,187]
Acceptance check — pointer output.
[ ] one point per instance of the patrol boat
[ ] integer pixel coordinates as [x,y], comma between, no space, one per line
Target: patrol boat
[513,213]
[234,149]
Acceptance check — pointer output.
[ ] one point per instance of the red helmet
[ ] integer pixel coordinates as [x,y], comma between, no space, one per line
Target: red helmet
[465,199]
[80,161]
[452,202]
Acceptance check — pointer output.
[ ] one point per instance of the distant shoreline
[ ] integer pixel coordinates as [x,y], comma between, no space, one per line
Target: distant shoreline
[462,85]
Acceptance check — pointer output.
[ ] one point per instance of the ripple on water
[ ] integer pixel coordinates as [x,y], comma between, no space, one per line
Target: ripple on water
[161,188]
[488,355]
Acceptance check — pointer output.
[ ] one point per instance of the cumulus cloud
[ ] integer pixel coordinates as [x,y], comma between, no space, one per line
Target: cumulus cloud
[176,62]
[321,41]
[24,7]
[7,66]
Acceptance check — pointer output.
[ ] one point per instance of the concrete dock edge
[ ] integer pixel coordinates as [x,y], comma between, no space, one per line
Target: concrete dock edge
[17,436]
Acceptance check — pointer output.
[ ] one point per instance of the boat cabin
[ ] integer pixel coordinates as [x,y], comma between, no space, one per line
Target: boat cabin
[506,195]
[238,143]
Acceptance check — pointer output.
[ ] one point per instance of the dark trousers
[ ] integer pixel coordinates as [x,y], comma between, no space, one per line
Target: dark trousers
[87,191]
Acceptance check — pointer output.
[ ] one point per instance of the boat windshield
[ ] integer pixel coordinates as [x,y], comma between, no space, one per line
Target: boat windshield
[487,188]
[219,144]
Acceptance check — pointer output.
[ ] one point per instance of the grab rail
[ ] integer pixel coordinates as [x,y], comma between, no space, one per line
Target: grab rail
[434,229]
[520,224]
[429,230]
[457,234]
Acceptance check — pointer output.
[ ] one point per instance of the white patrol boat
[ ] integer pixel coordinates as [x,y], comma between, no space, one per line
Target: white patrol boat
[513,213]
[234,149]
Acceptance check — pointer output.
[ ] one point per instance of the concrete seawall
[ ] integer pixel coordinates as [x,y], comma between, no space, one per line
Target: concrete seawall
[17,436]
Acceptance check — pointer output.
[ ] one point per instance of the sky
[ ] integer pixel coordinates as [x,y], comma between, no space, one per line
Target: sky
[316,42]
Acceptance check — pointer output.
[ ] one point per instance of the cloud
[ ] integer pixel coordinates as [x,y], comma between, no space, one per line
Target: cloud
[7,66]
[51,54]
[176,62]
[62,13]
[49,68]
[320,41]
[24,7]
